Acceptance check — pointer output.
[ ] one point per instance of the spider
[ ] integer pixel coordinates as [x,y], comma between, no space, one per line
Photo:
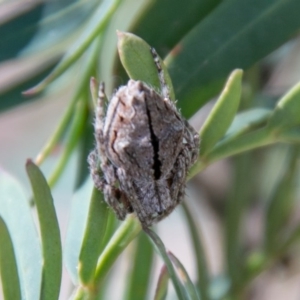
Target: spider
[144,148]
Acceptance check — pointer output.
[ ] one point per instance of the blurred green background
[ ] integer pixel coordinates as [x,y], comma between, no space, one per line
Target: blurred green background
[246,205]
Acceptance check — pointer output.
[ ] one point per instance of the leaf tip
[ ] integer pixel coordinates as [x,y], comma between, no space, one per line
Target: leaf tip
[127,39]
[119,33]
[93,83]
[237,73]
[39,159]
[29,162]
[29,92]
[33,91]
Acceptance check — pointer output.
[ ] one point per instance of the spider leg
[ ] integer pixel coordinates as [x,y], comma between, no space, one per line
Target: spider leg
[113,196]
[186,158]
[99,125]
[105,164]
[104,175]
[163,85]
[99,181]
[192,142]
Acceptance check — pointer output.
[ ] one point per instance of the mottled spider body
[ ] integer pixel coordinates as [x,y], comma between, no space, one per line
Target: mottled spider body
[145,149]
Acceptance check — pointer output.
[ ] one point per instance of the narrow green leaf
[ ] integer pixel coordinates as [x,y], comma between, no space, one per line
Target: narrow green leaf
[228,147]
[16,212]
[93,237]
[11,95]
[138,61]
[77,127]
[50,233]
[184,276]
[95,27]
[163,30]
[202,270]
[223,113]
[127,231]
[85,144]
[239,197]
[59,21]
[230,37]
[281,203]
[112,225]
[91,58]
[232,146]
[81,203]
[248,120]
[291,135]
[287,111]
[17,32]
[138,283]
[94,86]
[179,288]
[8,265]
[162,284]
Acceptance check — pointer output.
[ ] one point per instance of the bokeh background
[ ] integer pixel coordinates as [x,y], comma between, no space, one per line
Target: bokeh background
[261,37]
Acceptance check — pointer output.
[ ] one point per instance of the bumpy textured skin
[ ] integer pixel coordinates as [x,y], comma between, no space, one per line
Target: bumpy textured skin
[145,149]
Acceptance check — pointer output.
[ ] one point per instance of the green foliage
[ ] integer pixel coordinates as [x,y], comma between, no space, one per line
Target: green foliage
[50,233]
[134,53]
[8,265]
[16,213]
[162,284]
[202,42]
[141,269]
[222,114]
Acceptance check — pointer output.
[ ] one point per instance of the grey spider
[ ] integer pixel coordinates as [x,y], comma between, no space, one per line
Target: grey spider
[144,148]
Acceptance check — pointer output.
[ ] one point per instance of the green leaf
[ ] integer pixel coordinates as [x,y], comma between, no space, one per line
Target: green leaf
[50,234]
[223,113]
[89,63]
[179,288]
[185,278]
[138,61]
[163,30]
[281,203]
[162,284]
[228,147]
[94,88]
[127,231]
[232,146]
[59,21]
[287,111]
[202,270]
[236,34]
[76,229]
[291,135]
[85,144]
[94,28]
[240,195]
[248,120]
[15,210]
[77,127]
[12,95]
[138,283]
[93,237]
[17,32]
[8,265]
